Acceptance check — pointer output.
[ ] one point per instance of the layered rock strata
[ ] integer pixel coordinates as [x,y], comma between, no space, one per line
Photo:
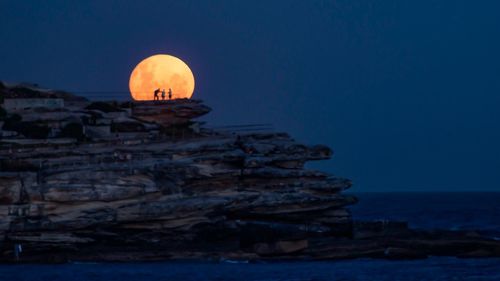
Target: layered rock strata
[153,176]
[146,181]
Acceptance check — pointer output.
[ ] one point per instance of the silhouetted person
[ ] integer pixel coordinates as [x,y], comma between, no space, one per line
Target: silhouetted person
[157,91]
[169,93]
[163,94]
[17,251]
[239,143]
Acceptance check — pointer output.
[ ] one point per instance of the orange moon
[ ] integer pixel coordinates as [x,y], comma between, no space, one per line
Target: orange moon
[161,72]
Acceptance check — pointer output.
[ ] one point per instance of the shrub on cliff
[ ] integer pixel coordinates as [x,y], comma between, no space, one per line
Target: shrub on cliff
[7,165]
[11,121]
[25,92]
[127,127]
[33,130]
[104,107]
[73,130]
[127,104]
[2,92]
[3,114]
[28,129]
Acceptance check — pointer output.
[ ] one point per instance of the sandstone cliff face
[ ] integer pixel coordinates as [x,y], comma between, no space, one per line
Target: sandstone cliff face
[153,177]
[146,181]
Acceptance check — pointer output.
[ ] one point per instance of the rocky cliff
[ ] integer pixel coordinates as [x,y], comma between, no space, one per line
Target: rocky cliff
[145,180]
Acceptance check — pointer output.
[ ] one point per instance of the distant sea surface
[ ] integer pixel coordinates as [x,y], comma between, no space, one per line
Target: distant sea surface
[479,211]
[433,210]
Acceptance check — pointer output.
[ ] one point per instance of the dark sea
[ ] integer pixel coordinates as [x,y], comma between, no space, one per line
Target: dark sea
[422,210]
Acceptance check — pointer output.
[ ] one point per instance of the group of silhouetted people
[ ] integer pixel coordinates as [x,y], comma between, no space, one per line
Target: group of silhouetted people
[157,94]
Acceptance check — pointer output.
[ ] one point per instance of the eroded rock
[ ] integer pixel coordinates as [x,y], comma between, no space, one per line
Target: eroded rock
[144,176]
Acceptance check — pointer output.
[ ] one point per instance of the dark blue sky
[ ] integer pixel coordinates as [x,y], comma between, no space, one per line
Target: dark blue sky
[407,93]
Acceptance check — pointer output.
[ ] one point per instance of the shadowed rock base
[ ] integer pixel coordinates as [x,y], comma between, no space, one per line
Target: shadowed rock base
[233,242]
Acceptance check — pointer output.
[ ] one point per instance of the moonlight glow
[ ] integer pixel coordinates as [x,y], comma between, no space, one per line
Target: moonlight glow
[161,72]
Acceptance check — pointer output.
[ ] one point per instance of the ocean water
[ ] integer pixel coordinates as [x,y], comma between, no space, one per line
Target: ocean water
[422,210]
[369,270]
[433,210]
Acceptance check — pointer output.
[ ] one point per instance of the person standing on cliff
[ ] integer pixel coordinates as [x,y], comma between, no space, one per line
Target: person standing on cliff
[169,93]
[18,249]
[156,97]
[163,94]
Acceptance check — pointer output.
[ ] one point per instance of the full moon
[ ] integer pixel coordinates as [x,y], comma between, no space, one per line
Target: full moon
[161,72]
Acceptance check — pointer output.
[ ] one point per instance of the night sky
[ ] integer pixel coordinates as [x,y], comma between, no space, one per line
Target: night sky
[407,93]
